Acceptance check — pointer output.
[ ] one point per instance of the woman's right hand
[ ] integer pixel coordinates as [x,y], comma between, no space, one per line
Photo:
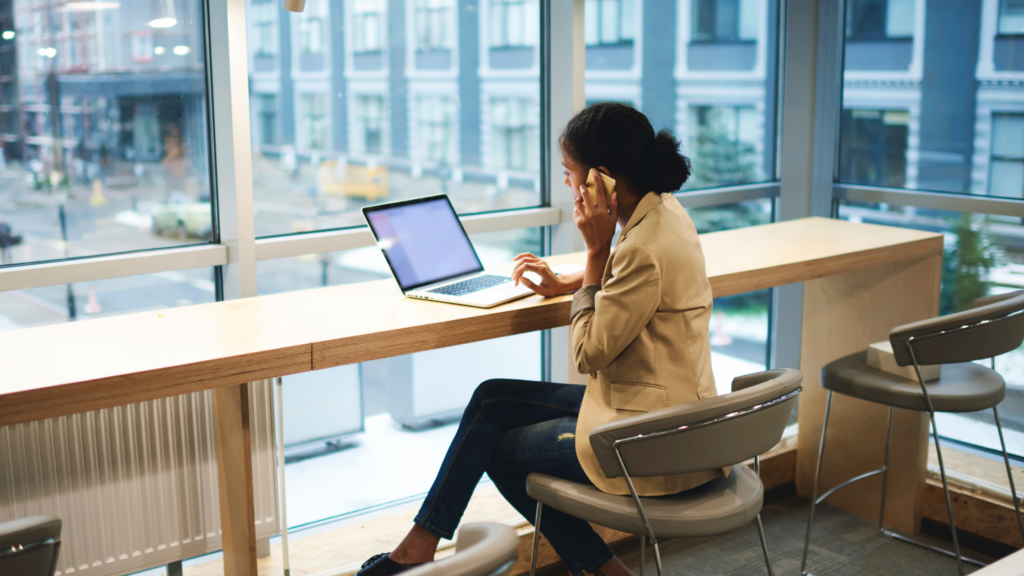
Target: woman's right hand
[551,284]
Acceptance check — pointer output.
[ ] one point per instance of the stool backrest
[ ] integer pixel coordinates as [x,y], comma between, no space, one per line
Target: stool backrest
[705,434]
[993,328]
[29,546]
[484,549]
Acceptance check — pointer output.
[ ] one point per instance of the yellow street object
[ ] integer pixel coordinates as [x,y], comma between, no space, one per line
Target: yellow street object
[357,181]
[97,199]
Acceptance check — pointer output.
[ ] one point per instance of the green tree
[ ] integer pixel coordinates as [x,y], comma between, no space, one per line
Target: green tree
[966,265]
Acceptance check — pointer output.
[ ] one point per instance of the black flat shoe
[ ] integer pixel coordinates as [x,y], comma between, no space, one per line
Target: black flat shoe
[381,565]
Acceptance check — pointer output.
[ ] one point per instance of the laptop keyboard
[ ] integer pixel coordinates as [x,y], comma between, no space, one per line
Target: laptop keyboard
[471,285]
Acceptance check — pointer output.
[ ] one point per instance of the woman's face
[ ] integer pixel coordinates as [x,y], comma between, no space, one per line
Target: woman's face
[575,173]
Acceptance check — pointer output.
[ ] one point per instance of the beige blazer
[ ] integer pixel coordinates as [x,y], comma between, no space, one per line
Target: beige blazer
[643,334]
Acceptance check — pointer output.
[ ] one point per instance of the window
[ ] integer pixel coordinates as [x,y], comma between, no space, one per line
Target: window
[723,144]
[372,127]
[1011,17]
[879,19]
[515,133]
[368,21]
[267,118]
[311,28]
[609,22]
[102,151]
[725,20]
[264,27]
[436,129]
[1006,177]
[314,121]
[371,121]
[512,23]
[435,24]
[873,147]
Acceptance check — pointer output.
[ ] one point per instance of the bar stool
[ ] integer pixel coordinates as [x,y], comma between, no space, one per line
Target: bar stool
[995,326]
[484,549]
[713,433]
[29,546]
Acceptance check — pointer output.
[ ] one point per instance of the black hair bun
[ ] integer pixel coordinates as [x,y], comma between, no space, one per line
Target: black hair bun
[663,168]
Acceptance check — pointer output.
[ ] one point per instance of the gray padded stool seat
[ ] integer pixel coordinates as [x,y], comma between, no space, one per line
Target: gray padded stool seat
[29,546]
[965,387]
[719,432]
[725,504]
[993,326]
[484,549]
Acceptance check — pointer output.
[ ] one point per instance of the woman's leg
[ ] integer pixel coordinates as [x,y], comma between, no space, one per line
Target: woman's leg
[497,406]
[549,448]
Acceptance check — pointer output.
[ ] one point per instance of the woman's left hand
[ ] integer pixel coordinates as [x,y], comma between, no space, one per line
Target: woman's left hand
[596,220]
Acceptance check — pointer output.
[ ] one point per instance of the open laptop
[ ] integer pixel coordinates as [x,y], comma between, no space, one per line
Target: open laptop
[431,256]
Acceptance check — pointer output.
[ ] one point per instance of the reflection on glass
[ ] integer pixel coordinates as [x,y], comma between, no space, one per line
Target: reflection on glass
[103,138]
[354,103]
[88,300]
[389,414]
[919,111]
[704,69]
[984,255]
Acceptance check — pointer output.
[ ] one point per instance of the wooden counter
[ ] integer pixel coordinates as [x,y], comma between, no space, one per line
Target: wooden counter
[862,281]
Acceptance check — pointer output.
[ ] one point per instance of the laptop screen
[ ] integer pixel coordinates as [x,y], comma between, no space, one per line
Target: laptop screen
[423,241]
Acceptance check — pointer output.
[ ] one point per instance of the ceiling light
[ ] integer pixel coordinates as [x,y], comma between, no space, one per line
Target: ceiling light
[90,6]
[158,50]
[163,23]
[8,35]
[182,50]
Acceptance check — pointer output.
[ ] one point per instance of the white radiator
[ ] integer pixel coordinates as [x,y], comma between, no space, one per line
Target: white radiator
[136,486]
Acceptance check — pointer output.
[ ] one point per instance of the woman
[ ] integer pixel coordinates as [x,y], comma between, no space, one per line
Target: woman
[639,328]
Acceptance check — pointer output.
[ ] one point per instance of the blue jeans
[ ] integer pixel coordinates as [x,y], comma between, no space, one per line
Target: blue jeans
[510,429]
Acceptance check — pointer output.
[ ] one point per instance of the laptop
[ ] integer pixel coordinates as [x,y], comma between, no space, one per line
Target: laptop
[431,256]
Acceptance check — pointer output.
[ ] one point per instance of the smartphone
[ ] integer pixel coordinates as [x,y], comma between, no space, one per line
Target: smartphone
[609,185]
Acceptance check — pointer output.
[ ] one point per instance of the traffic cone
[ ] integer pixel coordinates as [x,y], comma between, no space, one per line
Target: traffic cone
[97,199]
[93,305]
[719,337]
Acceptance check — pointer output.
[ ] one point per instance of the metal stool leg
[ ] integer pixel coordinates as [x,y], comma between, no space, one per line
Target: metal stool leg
[764,546]
[1009,473]
[643,552]
[536,540]
[945,489]
[657,559]
[817,477]
[885,472]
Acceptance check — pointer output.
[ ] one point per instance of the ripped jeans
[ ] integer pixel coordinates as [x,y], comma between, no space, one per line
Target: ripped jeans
[510,429]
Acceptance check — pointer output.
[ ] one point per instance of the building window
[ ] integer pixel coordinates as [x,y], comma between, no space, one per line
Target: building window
[264,27]
[1006,172]
[879,19]
[368,20]
[873,147]
[722,145]
[512,23]
[311,27]
[609,22]
[314,121]
[435,24]
[435,129]
[1011,16]
[513,122]
[370,119]
[725,20]
[268,118]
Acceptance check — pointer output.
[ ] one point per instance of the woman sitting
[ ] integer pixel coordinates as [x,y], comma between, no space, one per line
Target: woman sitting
[639,328]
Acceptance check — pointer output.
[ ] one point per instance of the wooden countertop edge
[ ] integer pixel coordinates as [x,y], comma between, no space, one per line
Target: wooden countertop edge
[751,280]
[65,399]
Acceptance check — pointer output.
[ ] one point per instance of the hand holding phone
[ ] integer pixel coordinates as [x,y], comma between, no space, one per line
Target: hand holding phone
[609,186]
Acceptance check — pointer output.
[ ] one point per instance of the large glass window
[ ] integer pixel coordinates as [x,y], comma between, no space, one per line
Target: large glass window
[922,113]
[705,69]
[103,128]
[264,27]
[1011,17]
[396,100]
